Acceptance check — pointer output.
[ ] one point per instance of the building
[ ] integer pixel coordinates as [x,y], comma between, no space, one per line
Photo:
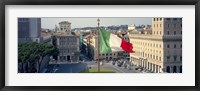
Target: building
[29,29]
[65,26]
[68,45]
[161,49]
[56,29]
[132,27]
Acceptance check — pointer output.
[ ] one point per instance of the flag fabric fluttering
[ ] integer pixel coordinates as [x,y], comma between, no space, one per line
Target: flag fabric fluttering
[112,43]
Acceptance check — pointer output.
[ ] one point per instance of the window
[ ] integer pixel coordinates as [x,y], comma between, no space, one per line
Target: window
[174,18]
[154,19]
[168,69]
[160,25]
[174,69]
[168,46]
[181,46]
[174,45]
[168,19]
[161,19]
[174,32]
[157,19]
[180,58]
[181,32]
[168,58]
[168,25]
[181,25]
[180,69]
[174,25]
[168,32]
[175,57]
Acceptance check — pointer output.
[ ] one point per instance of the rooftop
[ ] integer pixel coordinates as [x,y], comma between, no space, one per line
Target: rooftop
[64,22]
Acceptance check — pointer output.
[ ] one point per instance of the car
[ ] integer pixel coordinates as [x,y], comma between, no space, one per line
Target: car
[101,63]
[119,63]
[136,68]
[113,62]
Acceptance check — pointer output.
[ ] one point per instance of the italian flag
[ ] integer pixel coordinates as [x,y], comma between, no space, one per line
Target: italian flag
[112,43]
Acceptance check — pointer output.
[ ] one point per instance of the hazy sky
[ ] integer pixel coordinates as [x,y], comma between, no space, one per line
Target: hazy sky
[92,22]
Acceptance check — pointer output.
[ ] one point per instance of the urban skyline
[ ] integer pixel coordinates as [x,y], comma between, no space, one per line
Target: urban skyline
[152,48]
[80,22]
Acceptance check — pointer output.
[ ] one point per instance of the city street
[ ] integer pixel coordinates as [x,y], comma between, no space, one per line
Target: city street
[70,68]
[113,67]
[77,67]
[84,64]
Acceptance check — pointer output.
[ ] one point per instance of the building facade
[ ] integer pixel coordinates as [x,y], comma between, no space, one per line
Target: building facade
[161,49]
[29,29]
[68,46]
[132,27]
[65,26]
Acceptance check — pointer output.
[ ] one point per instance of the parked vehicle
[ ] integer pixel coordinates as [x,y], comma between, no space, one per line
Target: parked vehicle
[113,62]
[119,63]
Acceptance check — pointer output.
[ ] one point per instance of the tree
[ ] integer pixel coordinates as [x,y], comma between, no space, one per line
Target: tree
[32,52]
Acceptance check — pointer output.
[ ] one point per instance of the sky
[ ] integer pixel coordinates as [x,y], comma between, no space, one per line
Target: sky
[50,23]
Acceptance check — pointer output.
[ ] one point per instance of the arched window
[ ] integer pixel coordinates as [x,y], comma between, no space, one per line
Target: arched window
[174,69]
[180,69]
[168,69]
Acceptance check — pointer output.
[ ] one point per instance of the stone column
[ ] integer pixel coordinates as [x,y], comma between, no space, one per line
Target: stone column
[150,67]
[153,67]
[157,69]
[171,69]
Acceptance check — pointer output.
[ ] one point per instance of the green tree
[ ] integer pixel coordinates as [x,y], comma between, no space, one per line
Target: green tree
[32,52]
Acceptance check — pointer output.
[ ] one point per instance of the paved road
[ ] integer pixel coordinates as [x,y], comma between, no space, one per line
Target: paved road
[77,67]
[70,68]
[113,67]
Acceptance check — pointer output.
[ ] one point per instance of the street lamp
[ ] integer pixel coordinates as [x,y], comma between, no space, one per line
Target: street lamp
[98,22]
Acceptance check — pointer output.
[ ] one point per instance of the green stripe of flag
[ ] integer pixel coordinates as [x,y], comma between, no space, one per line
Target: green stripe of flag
[104,41]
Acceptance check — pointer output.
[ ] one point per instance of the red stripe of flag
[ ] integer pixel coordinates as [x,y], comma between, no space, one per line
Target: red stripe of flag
[126,46]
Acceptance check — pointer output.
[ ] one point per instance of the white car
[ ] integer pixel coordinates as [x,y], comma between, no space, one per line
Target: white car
[101,63]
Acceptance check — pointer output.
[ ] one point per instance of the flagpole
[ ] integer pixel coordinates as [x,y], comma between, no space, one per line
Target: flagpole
[98,20]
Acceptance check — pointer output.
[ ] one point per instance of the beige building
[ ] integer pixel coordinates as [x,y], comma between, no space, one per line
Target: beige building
[159,50]
[65,26]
